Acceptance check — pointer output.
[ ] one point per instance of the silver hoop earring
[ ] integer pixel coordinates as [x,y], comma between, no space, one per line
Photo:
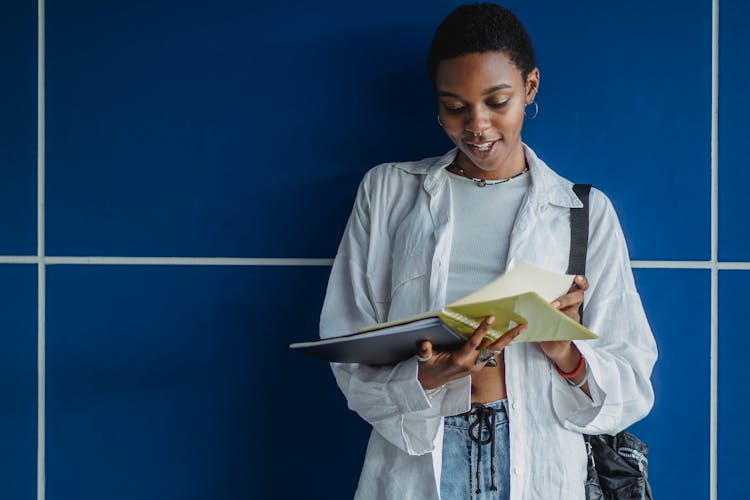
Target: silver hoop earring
[441,123]
[536,110]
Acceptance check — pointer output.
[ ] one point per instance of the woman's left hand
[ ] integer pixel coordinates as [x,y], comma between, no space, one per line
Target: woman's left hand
[560,351]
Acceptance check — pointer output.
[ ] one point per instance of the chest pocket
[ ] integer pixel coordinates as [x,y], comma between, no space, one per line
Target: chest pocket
[407,268]
[407,261]
[398,280]
[410,284]
[409,287]
[411,242]
[389,278]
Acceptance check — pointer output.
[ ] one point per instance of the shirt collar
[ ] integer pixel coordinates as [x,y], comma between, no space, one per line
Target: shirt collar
[437,173]
[546,185]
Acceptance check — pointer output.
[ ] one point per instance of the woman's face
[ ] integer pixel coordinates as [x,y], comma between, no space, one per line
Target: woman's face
[485,92]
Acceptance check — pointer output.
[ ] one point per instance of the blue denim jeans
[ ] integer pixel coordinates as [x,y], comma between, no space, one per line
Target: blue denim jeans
[474,444]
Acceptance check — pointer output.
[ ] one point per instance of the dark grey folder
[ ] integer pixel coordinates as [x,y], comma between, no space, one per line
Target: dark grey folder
[384,346]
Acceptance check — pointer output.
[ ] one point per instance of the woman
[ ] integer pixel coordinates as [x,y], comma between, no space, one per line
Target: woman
[487,421]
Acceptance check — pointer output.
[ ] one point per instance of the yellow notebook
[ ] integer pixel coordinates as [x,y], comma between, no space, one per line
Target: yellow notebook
[520,296]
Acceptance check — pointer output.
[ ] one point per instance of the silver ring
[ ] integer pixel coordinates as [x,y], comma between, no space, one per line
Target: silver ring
[424,359]
[487,354]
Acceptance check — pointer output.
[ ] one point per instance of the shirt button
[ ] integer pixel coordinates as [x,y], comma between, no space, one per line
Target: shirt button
[515,406]
[516,471]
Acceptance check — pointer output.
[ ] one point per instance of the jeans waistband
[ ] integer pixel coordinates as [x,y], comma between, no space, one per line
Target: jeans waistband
[465,420]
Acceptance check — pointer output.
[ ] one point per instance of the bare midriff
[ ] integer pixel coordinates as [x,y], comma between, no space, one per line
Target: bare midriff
[488,384]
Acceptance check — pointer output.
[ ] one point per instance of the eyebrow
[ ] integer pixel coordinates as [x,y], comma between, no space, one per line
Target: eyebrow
[485,92]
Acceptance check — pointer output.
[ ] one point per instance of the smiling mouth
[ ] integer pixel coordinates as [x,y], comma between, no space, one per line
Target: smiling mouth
[482,146]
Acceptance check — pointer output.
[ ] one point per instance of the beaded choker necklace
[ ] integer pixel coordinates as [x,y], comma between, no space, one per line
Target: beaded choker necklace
[483,182]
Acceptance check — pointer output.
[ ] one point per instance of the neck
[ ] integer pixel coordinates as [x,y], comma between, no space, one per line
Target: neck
[511,165]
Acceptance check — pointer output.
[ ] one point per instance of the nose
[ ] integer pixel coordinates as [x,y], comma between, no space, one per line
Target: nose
[477,121]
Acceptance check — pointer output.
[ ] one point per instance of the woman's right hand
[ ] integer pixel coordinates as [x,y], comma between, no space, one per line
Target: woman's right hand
[441,366]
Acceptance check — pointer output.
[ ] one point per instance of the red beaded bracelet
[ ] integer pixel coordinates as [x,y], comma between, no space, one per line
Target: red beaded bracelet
[577,371]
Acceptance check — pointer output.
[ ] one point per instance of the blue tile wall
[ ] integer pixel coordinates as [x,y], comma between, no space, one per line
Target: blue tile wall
[236,129]
[677,429]
[734,108]
[734,371]
[615,112]
[18,382]
[220,131]
[18,84]
[241,129]
[176,382]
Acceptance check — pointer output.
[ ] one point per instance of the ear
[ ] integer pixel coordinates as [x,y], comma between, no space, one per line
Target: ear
[532,85]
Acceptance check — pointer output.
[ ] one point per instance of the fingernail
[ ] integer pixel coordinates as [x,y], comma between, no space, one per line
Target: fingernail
[490,320]
[579,278]
[556,304]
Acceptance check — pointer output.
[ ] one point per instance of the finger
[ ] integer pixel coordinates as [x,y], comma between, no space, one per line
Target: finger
[425,349]
[573,299]
[425,352]
[581,282]
[476,338]
[507,338]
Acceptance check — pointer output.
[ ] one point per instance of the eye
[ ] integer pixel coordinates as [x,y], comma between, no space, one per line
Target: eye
[454,108]
[498,104]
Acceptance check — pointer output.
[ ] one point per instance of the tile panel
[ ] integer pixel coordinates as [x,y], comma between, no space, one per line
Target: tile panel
[177,382]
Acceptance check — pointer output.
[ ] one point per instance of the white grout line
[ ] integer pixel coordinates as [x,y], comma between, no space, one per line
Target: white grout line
[715,133]
[302,262]
[714,399]
[733,266]
[41,474]
[189,261]
[19,259]
[685,264]
[714,386]
[670,264]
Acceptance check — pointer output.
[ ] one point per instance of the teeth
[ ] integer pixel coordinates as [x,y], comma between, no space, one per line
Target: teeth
[482,147]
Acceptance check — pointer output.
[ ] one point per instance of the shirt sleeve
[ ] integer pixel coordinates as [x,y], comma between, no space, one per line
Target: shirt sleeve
[621,360]
[390,398]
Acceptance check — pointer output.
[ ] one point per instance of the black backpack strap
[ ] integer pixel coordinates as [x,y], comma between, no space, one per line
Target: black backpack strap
[579,234]
[579,231]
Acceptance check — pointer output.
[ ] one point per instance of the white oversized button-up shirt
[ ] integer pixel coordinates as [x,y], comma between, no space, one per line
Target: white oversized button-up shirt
[393,263]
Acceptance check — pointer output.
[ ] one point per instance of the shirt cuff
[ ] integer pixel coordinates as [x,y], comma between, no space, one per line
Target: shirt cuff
[404,389]
[573,407]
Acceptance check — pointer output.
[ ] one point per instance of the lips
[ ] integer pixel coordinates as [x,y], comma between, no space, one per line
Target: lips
[481,146]
[482,150]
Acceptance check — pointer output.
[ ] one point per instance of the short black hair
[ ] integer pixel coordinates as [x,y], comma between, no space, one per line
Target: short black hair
[481,27]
